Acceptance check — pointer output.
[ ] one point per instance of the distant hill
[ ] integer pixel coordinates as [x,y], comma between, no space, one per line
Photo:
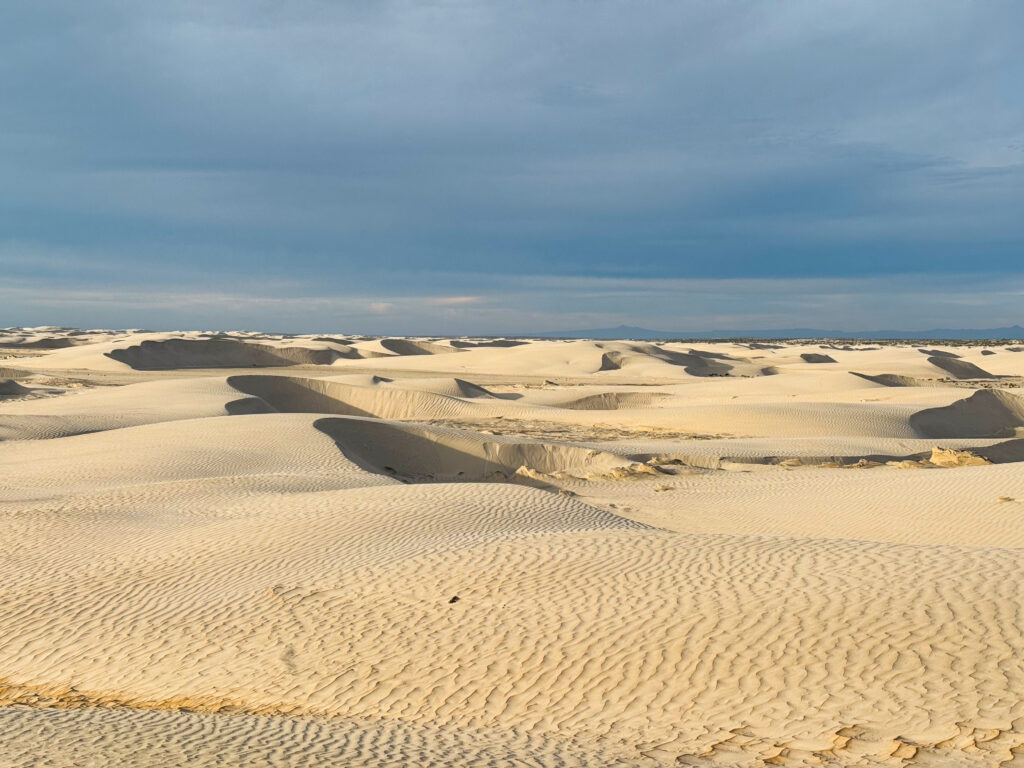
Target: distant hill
[633,332]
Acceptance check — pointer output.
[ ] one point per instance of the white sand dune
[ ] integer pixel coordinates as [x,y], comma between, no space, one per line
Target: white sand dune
[158,352]
[436,453]
[92,410]
[512,555]
[401,348]
[986,413]
[960,369]
[172,354]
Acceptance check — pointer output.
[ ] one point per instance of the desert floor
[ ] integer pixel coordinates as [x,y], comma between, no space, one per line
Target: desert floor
[252,550]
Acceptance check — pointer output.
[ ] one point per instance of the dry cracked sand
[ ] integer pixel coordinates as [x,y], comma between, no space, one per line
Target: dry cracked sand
[252,550]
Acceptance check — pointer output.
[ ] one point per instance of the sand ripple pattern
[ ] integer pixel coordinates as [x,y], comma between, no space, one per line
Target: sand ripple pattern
[73,738]
[568,620]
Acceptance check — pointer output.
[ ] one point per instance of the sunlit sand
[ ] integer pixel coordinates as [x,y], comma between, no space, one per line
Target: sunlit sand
[248,550]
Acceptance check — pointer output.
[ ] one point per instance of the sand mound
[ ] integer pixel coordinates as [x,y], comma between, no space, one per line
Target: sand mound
[695,363]
[709,354]
[960,369]
[50,342]
[414,347]
[268,447]
[816,357]
[503,343]
[452,387]
[939,353]
[9,387]
[987,352]
[1008,452]
[986,413]
[333,340]
[419,453]
[105,408]
[222,353]
[300,395]
[890,379]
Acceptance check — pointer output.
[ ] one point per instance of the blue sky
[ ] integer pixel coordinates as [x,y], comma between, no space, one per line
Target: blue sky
[490,167]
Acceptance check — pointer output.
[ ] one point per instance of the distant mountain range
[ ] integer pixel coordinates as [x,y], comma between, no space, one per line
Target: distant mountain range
[632,332]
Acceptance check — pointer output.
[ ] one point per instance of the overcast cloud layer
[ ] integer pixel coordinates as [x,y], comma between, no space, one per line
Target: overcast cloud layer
[489,167]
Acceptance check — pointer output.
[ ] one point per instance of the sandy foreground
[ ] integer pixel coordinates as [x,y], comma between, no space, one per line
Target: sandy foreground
[251,550]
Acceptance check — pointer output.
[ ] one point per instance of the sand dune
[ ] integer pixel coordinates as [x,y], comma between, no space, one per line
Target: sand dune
[762,415]
[891,379]
[9,387]
[422,453]
[301,395]
[223,353]
[165,352]
[815,357]
[620,355]
[572,358]
[93,410]
[466,344]
[451,387]
[414,347]
[401,347]
[38,342]
[520,554]
[960,369]
[986,413]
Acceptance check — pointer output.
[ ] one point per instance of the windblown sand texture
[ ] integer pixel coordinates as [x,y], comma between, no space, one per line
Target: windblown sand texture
[240,549]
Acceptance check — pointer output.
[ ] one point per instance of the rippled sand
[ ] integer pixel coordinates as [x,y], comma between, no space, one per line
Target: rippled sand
[245,550]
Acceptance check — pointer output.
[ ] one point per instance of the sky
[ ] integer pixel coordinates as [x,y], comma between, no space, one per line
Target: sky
[489,167]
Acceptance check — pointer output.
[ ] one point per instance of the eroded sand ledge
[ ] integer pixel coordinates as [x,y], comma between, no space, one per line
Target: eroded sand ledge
[419,552]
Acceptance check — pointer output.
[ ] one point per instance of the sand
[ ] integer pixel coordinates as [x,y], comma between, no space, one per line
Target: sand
[249,550]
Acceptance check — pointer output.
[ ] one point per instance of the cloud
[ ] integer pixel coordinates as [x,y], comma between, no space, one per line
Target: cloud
[454,301]
[390,145]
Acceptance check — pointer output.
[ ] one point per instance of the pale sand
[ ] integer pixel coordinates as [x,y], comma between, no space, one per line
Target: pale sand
[662,554]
